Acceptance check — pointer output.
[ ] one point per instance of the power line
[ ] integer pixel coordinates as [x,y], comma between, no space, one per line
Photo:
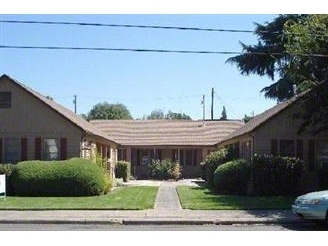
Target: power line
[125,26]
[180,28]
[157,50]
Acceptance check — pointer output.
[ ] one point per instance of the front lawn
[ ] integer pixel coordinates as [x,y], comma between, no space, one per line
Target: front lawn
[124,198]
[201,198]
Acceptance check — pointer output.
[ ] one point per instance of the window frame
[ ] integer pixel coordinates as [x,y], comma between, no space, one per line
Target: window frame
[5,99]
[282,144]
[18,150]
[45,152]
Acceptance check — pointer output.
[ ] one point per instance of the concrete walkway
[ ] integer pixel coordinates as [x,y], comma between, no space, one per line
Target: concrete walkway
[167,197]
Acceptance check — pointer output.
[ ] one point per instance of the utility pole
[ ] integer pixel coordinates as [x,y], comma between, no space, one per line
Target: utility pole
[212,106]
[203,103]
[75,102]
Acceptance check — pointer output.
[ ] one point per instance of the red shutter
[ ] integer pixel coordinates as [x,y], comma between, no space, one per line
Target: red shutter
[0,150]
[63,148]
[23,149]
[37,150]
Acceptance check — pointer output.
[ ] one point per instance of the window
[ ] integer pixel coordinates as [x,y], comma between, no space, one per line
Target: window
[12,150]
[188,157]
[246,150]
[5,99]
[287,148]
[50,149]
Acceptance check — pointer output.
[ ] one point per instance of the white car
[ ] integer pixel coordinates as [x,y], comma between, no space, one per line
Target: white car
[312,206]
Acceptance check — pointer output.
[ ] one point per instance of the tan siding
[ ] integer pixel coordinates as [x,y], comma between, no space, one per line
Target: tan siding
[30,118]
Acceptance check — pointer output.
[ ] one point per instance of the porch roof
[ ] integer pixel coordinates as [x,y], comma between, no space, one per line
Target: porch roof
[167,132]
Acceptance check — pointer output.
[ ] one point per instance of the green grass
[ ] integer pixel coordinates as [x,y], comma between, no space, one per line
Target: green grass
[200,198]
[124,198]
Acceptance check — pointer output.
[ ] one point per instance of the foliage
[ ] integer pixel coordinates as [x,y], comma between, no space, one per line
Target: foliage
[123,170]
[213,160]
[7,169]
[275,175]
[269,57]
[74,177]
[310,71]
[293,48]
[159,114]
[177,116]
[224,114]
[247,118]
[232,177]
[165,169]
[156,114]
[108,111]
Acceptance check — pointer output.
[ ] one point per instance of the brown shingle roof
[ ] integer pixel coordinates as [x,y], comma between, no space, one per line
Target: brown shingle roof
[66,113]
[166,132]
[260,119]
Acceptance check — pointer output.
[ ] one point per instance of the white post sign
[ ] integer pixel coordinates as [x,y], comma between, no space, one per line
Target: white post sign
[2,185]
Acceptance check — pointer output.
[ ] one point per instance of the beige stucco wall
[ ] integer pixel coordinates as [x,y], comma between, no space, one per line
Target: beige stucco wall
[30,118]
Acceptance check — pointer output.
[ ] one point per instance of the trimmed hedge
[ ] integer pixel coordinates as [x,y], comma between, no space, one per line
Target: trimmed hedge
[74,177]
[123,170]
[275,175]
[232,177]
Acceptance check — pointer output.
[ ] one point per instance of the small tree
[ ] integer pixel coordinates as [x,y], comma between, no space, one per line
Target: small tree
[108,111]
[223,114]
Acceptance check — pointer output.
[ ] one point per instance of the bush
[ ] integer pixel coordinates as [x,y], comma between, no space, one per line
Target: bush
[232,177]
[7,169]
[165,169]
[212,161]
[74,177]
[123,170]
[108,183]
[275,175]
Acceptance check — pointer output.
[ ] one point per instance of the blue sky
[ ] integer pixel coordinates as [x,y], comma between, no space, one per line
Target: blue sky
[141,81]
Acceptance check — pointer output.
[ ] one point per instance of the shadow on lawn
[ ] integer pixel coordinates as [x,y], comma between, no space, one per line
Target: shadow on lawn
[262,207]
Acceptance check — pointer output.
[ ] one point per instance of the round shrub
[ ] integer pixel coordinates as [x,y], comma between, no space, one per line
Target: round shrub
[74,177]
[232,177]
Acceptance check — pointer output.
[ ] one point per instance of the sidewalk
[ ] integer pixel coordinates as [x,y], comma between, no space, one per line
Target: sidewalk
[167,211]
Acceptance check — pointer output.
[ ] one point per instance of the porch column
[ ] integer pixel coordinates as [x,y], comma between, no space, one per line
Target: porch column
[113,160]
[128,154]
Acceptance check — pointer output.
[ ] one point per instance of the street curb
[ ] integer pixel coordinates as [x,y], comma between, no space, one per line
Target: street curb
[151,222]
[102,222]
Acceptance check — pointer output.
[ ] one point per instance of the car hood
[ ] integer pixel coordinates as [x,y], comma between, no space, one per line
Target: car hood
[315,195]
